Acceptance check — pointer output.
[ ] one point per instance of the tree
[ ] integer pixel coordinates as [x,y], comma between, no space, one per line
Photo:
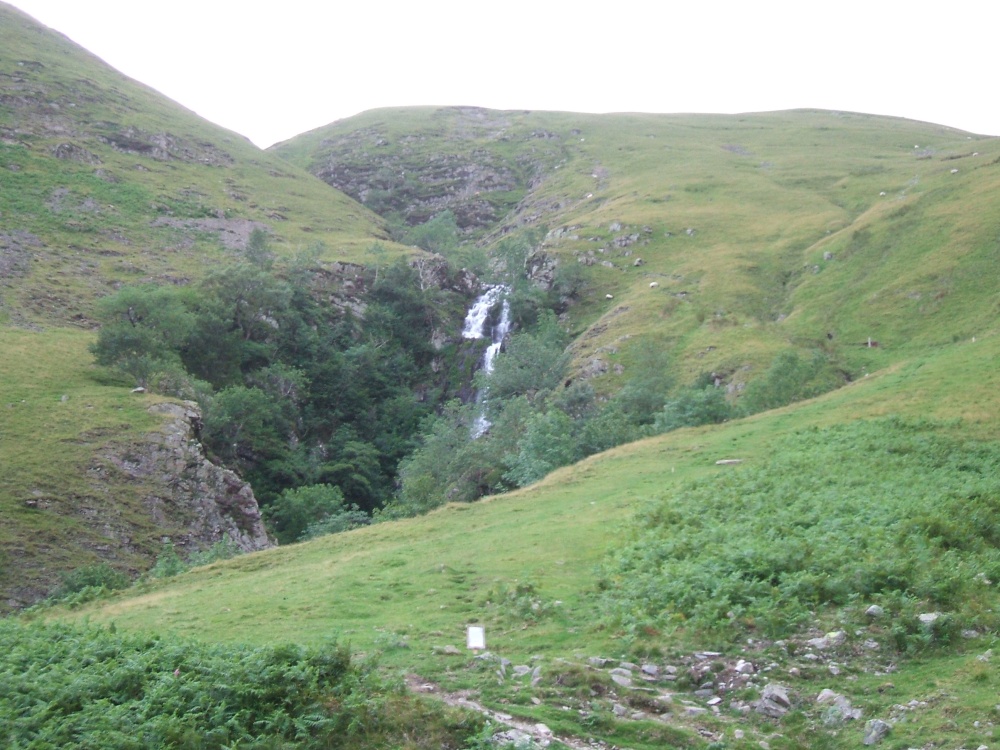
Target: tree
[548,443]
[145,329]
[532,364]
[295,510]
[692,407]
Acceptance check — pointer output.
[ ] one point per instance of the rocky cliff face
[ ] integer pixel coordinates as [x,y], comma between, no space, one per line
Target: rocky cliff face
[194,501]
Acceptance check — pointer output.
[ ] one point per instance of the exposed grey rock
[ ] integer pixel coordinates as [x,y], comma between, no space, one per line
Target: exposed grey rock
[839,703]
[622,680]
[744,667]
[540,268]
[875,612]
[829,640]
[651,669]
[827,255]
[618,709]
[876,731]
[434,271]
[928,617]
[628,665]
[773,701]
[232,233]
[597,661]
[185,489]
[521,670]
[448,650]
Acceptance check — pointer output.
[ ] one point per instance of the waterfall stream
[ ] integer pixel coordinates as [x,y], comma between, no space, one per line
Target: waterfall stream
[476,328]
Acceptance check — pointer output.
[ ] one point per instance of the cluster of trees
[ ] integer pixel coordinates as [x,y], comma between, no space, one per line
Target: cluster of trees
[294,393]
[337,420]
[540,421]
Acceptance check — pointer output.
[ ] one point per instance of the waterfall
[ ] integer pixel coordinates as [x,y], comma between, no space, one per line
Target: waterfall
[475,328]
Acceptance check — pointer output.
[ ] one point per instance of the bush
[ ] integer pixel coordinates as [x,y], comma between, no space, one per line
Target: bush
[304,512]
[100,576]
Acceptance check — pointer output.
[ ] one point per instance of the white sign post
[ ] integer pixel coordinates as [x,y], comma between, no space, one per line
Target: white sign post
[475,637]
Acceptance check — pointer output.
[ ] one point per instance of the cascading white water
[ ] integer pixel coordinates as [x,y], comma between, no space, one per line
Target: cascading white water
[475,328]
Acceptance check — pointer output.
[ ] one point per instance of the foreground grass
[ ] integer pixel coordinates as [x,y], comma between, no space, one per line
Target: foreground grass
[92,688]
[524,566]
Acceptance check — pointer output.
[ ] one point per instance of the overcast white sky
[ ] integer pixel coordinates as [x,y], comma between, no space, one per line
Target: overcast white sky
[271,70]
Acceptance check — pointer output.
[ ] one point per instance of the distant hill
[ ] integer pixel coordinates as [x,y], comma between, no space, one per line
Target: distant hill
[106,182]
[721,239]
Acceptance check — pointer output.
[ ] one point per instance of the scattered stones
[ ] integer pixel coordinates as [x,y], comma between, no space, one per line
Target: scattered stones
[985,656]
[876,731]
[448,650]
[650,669]
[521,670]
[597,661]
[875,612]
[928,617]
[702,655]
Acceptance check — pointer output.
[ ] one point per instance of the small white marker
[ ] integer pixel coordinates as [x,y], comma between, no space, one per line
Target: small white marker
[475,637]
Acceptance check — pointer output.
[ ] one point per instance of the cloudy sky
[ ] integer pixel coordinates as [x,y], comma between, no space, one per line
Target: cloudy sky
[271,70]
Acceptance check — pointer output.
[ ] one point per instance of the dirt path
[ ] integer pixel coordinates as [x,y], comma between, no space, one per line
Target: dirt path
[539,733]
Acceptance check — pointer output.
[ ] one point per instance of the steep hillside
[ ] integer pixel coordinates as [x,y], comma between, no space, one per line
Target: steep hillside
[104,183]
[722,240]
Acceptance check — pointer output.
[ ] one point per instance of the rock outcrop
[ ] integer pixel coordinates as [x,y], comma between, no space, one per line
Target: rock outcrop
[193,500]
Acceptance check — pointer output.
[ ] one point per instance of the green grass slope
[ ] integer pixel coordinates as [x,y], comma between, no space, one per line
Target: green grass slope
[525,566]
[721,240]
[105,182]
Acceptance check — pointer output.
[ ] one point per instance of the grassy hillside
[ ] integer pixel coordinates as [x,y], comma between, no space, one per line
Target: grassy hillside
[525,566]
[808,229]
[106,182]
[712,245]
